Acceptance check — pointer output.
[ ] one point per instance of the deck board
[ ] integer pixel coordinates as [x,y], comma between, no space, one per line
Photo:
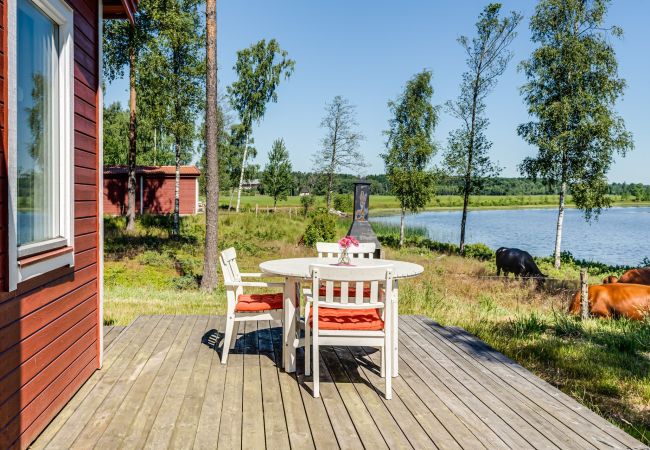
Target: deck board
[163,386]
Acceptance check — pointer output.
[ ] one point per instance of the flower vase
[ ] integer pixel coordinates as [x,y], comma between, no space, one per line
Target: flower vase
[344,257]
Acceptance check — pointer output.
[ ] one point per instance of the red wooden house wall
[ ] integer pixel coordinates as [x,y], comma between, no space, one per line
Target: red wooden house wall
[158,186]
[50,327]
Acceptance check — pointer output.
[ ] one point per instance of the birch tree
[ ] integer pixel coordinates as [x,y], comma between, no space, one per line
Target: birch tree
[340,146]
[487,58]
[410,146]
[571,92]
[176,78]
[259,69]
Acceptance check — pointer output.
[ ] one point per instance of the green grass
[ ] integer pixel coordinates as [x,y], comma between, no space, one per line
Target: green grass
[602,363]
[389,203]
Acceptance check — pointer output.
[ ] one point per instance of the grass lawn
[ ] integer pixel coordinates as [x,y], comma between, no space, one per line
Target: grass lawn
[605,364]
[389,203]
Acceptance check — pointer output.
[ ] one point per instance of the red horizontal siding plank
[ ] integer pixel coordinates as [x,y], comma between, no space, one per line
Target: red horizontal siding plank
[85,142]
[85,208]
[85,226]
[85,258]
[85,242]
[85,176]
[85,192]
[85,159]
[84,124]
[83,92]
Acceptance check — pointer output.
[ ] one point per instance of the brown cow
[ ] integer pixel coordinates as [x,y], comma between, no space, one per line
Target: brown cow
[632,276]
[616,300]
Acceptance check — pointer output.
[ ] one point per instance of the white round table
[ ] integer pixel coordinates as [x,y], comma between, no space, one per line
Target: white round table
[295,270]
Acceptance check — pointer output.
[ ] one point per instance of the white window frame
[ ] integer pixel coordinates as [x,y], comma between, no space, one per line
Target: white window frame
[61,14]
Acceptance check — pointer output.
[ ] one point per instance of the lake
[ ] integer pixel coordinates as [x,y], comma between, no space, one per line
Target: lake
[621,236]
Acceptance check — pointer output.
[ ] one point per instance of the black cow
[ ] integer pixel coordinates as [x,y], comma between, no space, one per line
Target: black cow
[519,262]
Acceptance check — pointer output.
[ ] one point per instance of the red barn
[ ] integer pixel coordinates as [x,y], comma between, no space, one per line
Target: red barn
[155,189]
[50,206]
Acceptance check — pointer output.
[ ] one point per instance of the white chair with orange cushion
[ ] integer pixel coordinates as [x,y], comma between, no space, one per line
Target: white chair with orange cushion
[353,321]
[245,307]
[332,250]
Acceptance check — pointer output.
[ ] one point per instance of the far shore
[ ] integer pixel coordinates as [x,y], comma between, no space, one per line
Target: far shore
[382,212]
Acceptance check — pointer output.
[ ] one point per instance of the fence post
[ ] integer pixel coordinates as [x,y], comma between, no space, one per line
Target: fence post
[584,294]
[256,207]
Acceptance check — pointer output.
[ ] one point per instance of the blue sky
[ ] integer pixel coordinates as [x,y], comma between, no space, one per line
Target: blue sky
[366,50]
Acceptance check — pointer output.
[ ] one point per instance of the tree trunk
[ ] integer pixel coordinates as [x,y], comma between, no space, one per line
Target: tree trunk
[209,280]
[401,228]
[130,220]
[470,160]
[463,220]
[560,222]
[241,175]
[177,190]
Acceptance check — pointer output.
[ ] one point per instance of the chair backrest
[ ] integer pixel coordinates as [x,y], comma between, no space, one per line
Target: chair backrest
[373,286]
[229,268]
[332,250]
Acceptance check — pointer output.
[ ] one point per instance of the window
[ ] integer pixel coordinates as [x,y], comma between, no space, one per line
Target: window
[40,137]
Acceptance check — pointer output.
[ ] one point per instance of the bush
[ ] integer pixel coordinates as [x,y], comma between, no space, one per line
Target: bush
[479,251]
[321,228]
[343,202]
[306,201]
[185,282]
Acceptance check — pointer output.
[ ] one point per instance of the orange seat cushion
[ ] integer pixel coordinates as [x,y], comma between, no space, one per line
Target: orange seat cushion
[348,319]
[352,292]
[259,302]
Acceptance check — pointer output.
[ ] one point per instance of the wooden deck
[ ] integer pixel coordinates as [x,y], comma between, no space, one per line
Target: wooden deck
[162,386]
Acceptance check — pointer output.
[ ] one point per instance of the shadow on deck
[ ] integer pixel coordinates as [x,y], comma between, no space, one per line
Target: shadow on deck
[162,386]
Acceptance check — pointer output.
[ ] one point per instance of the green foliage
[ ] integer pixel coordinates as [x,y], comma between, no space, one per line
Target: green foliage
[116,134]
[321,228]
[572,89]
[277,180]
[479,251]
[343,202]
[410,143]
[306,202]
[259,69]
[467,154]
[340,146]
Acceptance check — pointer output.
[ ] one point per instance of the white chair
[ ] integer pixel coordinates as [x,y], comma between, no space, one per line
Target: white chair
[332,250]
[352,321]
[245,307]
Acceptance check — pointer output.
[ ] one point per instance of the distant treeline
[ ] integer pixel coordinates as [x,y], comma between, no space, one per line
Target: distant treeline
[310,182]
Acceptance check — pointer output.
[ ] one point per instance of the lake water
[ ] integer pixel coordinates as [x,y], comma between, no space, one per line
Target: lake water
[619,236]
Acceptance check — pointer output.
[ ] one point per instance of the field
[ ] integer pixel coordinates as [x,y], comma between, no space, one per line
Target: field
[389,203]
[605,364]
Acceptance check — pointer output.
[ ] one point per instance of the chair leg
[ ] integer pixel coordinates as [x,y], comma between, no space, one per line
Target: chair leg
[316,363]
[389,370]
[227,339]
[235,332]
[307,348]
[383,362]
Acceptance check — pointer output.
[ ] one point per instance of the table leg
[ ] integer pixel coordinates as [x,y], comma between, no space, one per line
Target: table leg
[289,326]
[395,358]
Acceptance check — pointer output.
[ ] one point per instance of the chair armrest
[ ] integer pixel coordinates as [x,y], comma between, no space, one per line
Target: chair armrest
[251,275]
[260,284]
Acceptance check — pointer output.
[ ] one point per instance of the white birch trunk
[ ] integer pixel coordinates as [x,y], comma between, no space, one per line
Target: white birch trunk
[241,175]
[560,223]
[401,228]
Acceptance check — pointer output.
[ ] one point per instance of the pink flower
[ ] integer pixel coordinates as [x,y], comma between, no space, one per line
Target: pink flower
[347,242]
